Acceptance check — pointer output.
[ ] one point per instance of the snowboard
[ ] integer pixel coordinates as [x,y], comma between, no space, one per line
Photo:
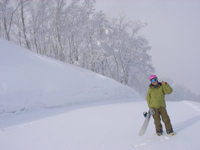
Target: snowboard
[145,124]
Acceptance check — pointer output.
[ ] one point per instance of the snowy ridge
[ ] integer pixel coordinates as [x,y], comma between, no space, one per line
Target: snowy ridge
[29,80]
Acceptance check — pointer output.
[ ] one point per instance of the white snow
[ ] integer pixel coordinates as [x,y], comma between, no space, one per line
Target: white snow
[107,31]
[88,111]
[98,43]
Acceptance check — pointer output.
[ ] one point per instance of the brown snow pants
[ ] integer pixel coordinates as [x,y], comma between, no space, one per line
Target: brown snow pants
[165,118]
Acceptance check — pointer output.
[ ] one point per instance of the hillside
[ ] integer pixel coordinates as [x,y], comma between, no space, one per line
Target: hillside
[29,80]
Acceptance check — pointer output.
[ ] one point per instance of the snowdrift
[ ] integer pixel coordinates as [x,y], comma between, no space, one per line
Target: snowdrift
[29,80]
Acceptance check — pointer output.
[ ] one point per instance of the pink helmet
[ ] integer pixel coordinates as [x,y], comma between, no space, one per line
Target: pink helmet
[152,77]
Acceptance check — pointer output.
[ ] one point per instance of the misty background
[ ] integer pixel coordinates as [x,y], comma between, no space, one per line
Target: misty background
[173,32]
[125,40]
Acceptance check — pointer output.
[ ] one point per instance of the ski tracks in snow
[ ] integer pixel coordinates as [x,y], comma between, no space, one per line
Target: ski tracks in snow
[192,105]
[18,126]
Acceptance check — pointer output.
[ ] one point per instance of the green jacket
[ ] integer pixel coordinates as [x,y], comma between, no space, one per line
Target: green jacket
[156,95]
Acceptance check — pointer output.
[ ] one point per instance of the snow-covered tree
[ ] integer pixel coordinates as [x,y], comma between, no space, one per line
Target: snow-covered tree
[76,33]
[7,12]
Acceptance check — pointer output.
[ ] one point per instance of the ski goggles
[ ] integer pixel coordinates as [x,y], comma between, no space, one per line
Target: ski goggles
[153,80]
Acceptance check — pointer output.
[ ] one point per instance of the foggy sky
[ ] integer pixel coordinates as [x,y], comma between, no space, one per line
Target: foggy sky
[173,32]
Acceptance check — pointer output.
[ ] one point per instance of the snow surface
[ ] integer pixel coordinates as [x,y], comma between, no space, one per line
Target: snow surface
[51,105]
[99,126]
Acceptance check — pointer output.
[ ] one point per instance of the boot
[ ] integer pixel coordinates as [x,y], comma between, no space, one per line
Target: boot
[159,133]
[171,132]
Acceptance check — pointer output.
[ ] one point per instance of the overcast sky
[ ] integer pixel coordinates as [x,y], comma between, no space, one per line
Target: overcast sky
[173,32]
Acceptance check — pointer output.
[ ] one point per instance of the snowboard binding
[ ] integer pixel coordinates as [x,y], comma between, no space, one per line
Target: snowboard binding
[151,111]
[144,114]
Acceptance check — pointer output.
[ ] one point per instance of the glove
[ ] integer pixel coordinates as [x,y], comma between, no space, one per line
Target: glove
[164,83]
[152,111]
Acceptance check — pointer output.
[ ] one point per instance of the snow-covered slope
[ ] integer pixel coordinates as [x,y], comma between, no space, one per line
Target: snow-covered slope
[29,80]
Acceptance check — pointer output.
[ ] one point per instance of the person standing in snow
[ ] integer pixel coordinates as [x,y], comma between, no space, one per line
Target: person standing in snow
[156,100]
